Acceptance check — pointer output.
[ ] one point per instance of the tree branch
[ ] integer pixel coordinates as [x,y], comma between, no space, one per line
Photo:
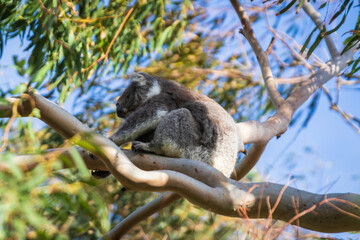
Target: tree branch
[140,214]
[326,213]
[316,18]
[261,56]
[276,125]
[261,133]
[249,160]
[223,196]
[148,162]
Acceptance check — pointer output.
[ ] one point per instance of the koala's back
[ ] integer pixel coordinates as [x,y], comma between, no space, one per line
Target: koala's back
[197,128]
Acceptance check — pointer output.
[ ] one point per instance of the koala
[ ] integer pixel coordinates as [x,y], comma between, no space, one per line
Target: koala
[165,118]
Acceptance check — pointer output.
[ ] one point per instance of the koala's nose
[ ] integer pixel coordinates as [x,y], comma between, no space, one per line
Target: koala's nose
[121,112]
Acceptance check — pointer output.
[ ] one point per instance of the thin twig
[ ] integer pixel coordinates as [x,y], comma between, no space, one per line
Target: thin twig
[92,20]
[347,117]
[106,56]
[296,208]
[42,6]
[8,125]
[272,210]
[270,47]
[261,56]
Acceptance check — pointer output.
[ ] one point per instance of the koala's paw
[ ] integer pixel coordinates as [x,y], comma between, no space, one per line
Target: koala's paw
[140,147]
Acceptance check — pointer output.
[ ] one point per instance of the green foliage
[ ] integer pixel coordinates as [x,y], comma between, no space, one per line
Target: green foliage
[71,42]
[345,6]
[42,205]
[343,11]
[352,41]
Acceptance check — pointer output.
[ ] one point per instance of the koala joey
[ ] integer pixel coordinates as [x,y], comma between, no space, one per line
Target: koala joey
[174,121]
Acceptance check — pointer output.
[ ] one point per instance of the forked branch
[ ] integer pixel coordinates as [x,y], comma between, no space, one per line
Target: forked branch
[223,196]
[261,133]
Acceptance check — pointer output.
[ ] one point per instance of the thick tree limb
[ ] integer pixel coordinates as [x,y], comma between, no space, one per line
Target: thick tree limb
[223,197]
[53,115]
[324,213]
[148,162]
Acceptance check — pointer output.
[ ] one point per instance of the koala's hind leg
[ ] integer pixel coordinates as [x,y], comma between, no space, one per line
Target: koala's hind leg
[176,135]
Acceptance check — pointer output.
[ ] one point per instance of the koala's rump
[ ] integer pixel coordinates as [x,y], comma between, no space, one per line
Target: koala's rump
[213,122]
[202,131]
[175,134]
[218,134]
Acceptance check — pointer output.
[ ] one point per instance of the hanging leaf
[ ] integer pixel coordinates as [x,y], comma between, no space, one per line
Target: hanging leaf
[314,45]
[342,8]
[323,5]
[307,41]
[286,8]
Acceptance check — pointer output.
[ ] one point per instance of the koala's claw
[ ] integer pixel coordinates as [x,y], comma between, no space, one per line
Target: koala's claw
[137,146]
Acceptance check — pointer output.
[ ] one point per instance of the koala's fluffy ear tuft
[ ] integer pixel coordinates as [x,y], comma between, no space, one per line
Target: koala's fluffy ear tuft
[138,78]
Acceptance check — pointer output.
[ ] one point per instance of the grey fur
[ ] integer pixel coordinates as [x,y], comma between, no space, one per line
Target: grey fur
[181,123]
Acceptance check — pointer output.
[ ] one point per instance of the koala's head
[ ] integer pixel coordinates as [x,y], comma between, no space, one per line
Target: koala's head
[142,88]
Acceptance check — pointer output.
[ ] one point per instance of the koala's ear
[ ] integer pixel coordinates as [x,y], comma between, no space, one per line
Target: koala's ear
[138,78]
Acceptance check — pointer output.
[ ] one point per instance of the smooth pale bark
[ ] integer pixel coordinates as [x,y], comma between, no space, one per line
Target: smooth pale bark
[325,213]
[340,213]
[148,162]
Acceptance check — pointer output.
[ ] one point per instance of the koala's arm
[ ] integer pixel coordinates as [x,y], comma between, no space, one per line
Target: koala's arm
[141,121]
